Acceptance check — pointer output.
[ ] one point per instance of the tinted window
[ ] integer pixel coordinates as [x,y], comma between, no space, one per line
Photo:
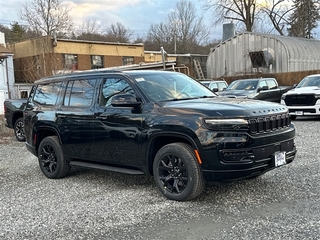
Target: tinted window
[272,84]
[164,86]
[111,87]
[262,84]
[47,94]
[243,85]
[309,81]
[222,86]
[79,93]
[213,85]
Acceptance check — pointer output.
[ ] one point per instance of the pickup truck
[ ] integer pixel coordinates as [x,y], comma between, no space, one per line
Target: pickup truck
[266,89]
[13,116]
[158,123]
[303,99]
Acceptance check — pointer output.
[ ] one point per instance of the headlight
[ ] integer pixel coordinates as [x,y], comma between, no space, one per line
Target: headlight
[226,124]
[283,96]
[317,96]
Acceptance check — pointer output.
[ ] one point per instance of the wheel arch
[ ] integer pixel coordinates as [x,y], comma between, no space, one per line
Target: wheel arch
[16,116]
[161,140]
[44,132]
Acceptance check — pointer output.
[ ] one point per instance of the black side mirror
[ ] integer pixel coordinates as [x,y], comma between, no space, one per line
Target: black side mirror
[125,100]
[214,89]
[264,88]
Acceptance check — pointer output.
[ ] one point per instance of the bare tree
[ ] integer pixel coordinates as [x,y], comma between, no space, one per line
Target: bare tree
[243,11]
[118,33]
[278,13]
[90,26]
[45,16]
[183,32]
[90,30]
[160,35]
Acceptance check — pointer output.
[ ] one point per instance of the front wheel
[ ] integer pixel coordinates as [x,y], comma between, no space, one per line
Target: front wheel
[19,130]
[177,173]
[52,162]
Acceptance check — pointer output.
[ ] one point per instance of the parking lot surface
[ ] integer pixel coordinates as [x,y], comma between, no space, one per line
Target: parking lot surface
[92,204]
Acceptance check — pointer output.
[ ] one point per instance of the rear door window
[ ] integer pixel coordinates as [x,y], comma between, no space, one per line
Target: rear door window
[79,93]
[47,94]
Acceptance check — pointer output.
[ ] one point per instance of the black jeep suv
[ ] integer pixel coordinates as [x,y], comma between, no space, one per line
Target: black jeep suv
[159,123]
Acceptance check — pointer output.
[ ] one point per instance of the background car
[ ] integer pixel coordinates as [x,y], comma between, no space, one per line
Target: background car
[215,85]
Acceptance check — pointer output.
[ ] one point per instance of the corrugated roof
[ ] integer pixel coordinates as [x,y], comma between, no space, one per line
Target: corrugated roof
[297,48]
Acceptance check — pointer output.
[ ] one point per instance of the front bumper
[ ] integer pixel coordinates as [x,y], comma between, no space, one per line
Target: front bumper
[234,160]
[303,108]
[246,170]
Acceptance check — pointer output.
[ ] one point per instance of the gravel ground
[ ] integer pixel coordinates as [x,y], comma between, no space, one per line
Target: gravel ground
[91,204]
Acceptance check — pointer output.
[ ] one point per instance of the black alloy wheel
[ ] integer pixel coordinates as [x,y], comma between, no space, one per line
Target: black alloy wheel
[19,130]
[51,158]
[177,172]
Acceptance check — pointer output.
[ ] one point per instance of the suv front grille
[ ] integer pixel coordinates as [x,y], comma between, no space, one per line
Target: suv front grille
[300,100]
[270,123]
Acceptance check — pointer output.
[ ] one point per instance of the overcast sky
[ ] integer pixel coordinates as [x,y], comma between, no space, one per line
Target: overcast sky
[137,15]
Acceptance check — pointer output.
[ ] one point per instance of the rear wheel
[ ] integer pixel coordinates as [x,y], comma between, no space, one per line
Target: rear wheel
[177,172]
[19,130]
[51,159]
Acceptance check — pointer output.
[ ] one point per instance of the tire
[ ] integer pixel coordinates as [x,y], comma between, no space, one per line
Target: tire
[177,173]
[51,159]
[19,130]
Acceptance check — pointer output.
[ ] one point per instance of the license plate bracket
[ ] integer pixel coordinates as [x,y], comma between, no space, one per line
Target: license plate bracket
[279,159]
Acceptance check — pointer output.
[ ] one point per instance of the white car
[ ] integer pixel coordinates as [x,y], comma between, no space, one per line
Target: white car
[215,85]
[303,100]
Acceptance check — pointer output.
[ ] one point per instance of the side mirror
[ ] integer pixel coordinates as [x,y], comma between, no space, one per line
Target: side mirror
[214,89]
[125,100]
[264,88]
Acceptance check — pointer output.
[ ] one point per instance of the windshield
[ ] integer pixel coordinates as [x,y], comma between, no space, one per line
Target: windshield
[243,85]
[309,82]
[164,86]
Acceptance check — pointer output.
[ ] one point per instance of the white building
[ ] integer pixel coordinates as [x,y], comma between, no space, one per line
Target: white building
[8,88]
[248,52]
[6,73]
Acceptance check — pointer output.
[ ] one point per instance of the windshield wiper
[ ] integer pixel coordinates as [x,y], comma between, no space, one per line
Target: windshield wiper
[207,96]
[190,98]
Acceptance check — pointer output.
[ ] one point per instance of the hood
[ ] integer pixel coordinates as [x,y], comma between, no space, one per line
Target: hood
[307,90]
[222,107]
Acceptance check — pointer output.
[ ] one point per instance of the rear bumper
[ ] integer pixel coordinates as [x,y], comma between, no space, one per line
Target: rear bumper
[6,123]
